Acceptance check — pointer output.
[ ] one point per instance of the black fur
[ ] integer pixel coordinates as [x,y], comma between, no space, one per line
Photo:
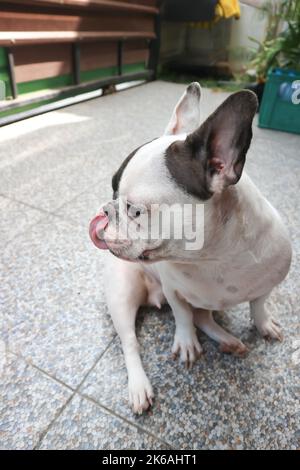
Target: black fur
[118,175]
[191,162]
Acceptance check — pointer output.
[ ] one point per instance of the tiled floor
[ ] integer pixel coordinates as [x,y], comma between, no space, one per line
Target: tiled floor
[63,378]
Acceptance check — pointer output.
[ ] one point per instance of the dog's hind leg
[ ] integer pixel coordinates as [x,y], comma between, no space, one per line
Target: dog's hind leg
[205,321]
[126,292]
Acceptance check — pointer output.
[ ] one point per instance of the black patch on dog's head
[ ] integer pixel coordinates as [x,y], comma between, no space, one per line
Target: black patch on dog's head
[115,182]
[188,167]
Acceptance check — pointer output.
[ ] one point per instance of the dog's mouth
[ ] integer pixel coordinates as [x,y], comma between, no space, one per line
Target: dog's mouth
[143,257]
[96,232]
[150,256]
[114,249]
[97,226]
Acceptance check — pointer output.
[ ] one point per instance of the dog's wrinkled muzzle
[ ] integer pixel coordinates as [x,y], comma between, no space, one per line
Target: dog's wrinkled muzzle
[97,226]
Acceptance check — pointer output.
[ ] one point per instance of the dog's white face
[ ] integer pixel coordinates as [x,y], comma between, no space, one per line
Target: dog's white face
[183,168]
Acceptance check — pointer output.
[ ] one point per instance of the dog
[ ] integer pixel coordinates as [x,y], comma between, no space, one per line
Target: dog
[243,253]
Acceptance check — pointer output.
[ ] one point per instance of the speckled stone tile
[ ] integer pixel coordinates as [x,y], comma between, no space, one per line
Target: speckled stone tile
[45,177]
[52,259]
[29,401]
[84,207]
[83,425]
[63,337]
[15,218]
[51,173]
[223,402]
[52,299]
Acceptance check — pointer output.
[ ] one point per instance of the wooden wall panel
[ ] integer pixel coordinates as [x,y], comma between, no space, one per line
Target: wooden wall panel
[139,6]
[95,55]
[149,3]
[42,61]
[65,21]
[98,55]
[135,51]
[12,21]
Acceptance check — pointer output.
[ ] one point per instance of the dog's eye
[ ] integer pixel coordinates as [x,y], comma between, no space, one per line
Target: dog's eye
[133,211]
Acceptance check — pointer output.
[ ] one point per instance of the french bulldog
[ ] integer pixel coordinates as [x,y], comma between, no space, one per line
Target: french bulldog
[244,250]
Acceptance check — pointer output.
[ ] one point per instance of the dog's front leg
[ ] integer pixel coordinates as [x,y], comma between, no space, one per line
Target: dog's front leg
[139,387]
[125,293]
[185,341]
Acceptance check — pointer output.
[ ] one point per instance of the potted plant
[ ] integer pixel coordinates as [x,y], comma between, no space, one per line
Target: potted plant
[277,66]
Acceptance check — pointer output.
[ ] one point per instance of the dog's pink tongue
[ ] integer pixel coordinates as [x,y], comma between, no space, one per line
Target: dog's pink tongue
[97,224]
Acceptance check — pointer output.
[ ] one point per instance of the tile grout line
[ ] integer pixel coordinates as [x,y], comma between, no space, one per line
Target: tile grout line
[123,418]
[75,391]
[73,199]
[86,397]
[43,216]
[60,411]
[26,204]
[50,376]
[45,212]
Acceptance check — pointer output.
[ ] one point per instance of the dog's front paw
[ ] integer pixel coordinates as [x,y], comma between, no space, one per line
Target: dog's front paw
[140,393]
[186,344]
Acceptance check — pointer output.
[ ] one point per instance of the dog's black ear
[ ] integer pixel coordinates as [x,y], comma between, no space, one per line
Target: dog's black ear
[222,141]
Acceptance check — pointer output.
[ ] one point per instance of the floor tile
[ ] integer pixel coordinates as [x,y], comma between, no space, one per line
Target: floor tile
[83,425]
[29,401]
[223,402]
[63,337]
[84,207]
[15,218]
[52,299]
[52,259]
[49,174]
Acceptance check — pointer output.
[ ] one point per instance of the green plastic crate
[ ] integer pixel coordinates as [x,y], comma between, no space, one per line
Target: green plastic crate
[277,110]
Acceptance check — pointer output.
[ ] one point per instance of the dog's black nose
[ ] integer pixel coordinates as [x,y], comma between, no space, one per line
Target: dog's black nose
[108,209]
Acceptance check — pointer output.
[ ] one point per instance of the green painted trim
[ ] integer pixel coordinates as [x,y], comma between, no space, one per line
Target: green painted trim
[61,80]
[132,68]
[3,61]
[97,73]
[111,71]
[4,71]
[45,83]
[65,80]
